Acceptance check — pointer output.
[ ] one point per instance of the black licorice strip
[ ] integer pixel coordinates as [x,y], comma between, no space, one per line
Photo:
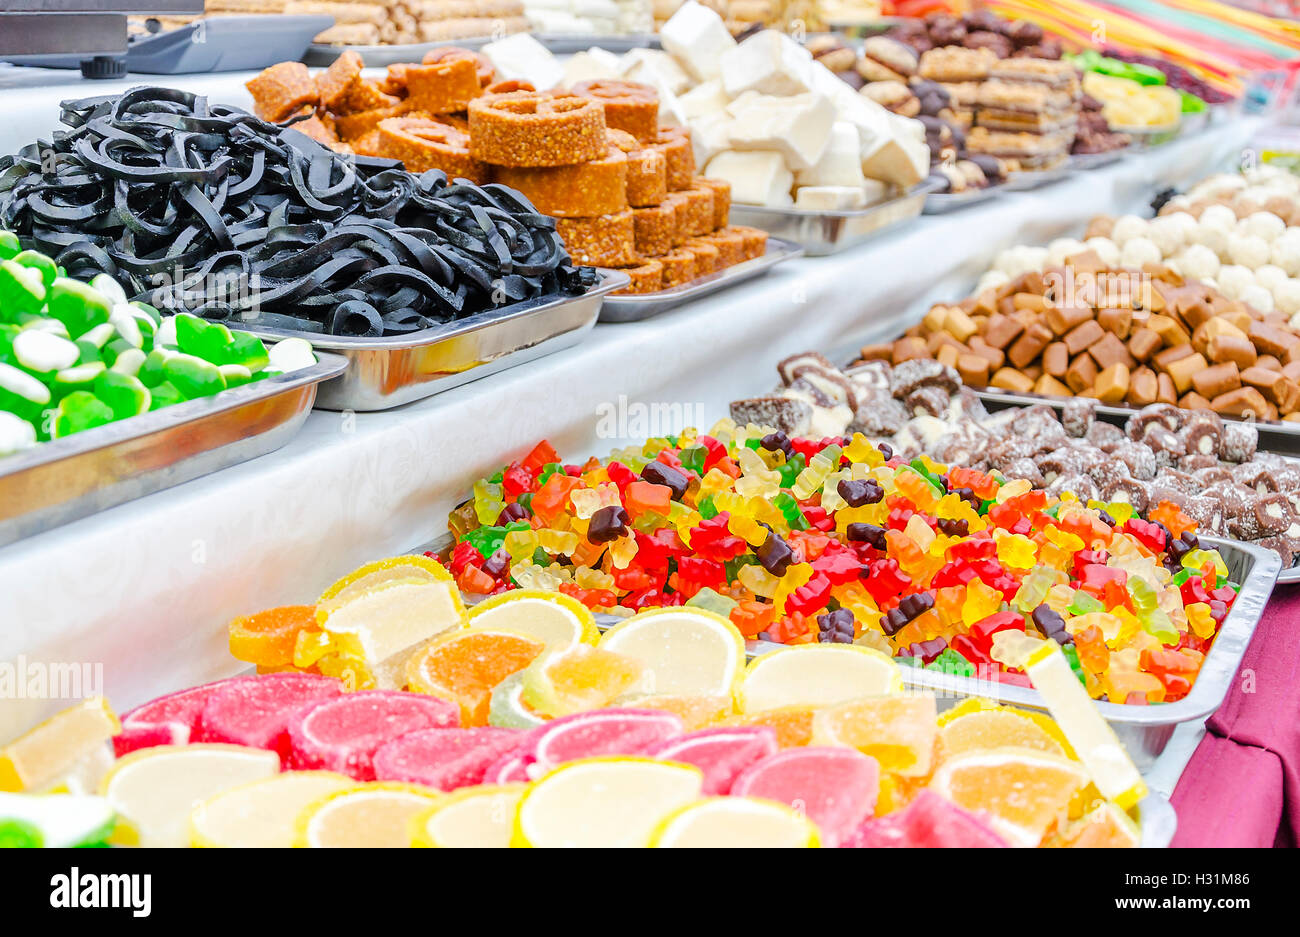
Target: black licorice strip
[163,191]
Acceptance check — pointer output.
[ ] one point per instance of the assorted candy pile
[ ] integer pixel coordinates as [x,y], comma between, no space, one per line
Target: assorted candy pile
[520,725]
[77,355]
[838,541]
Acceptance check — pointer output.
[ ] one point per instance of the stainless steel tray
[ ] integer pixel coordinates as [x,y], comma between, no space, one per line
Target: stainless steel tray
[940,203]
[1089,161]
[1276,436]
[1148,137]
[638,306]
[1289,576]
[1144,730]
[827,232]
[572,43]
[67,479]
[322,55]
[389,372]
[1026,179]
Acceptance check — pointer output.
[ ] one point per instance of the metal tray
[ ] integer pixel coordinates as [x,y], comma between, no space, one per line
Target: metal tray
[940,203]
[1277,436]
[1195,122]
[1289,576]
[388,372]
[572,43]
[68,479]
[1088,161]
[1148,137]
[1026,179]
[827,232]
[322,55]
[638,306]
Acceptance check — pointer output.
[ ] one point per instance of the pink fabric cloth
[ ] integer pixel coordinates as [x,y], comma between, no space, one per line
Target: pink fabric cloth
[1242,785]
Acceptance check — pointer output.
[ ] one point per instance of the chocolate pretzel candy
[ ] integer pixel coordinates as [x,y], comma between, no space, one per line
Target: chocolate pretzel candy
[443,87]
[648,277]
[482,64]
[654,227]
[699,211]
[534,128]
[508,85]
[629,105]
[603,241]
[706,256]
[282,90]
[1126,490]
[422,143]
[647,170]
[597,187]
[721,199]
[1273,513]
[679,268]
[755,240]
[675,144]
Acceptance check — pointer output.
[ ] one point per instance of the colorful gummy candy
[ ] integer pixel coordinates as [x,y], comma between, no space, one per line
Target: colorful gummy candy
[837,541]
[77,355]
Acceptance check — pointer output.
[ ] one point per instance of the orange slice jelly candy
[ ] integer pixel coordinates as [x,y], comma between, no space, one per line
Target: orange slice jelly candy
[268,638]
[465,667]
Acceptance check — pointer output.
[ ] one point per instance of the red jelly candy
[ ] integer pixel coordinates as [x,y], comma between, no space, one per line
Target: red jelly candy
[342,734]
[256,711]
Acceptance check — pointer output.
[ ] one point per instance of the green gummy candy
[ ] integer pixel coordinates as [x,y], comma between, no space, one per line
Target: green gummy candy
[128,362]
[152,371]
[1084,603]
[123,394]
[711,601]
[164,395]
[18,834]
[235,374]
[908,661]
[21,290]
[79,306]
[9,245]
[949,661]
[206,340]
[79,411]
[706,508]
[35,260]
[248,350]
[193,376]
[78,377]
[22,385]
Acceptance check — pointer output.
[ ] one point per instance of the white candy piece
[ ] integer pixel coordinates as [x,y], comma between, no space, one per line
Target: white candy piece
[291,354]
[640,62]
[595,64]
[15,434]
[1269,276]
[1265,224]
[1199,262]
[1139,251]
[166,334]
[1104,248]
[44,351]
[1061,248]
[840,163]
[1167,235]
[1249,250]
[1255,295]
[698,38]
[1285,253]
[1126,228]
[1183,220]
[1218,216]
[19,382]
[797,127]
[757,178]
[991,279]
[769,62]
[520,57]
[111,289]
[829,197]
[1214,238]
[902,158]
[710,136]
[1233,280]
[1286,297]
[704,100]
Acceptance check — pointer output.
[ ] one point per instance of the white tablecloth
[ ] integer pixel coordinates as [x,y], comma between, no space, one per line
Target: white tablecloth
[146,588]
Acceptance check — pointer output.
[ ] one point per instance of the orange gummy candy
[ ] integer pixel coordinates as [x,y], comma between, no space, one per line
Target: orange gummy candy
[267,638]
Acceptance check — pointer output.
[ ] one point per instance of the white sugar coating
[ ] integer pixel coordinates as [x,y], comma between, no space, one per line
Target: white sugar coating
[44,351]
[1249,250]
[1269,276]
[1214,238]
[991,279]
[1061,248]
[1285,252]
[1265,224]
[1255,295]
[1198,262]
[1234,278]
[15,434]
[1286,297]
[1183,220]
[1167,235]
[1106,249]
[1218,216]
[1139,251]
[1126,228]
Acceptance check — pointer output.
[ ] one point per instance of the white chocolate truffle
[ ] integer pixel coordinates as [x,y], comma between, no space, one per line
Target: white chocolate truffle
[1167,235]
[1269,276]
[1286,296]
[1061,248]
[1218,216]
[1139,251]
[1126,228]
[1255,295]
[1199,262]
[1285,253]
[1106,249]
[1265,224]
[1184,221]
[1233,279]
[1249,250]
[991,280]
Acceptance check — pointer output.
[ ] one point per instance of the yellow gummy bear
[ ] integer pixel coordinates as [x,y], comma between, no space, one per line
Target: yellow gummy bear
[796,576]
[981,601]
[1013,489]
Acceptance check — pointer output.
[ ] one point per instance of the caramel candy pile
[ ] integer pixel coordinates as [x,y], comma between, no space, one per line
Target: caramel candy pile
[1118,335]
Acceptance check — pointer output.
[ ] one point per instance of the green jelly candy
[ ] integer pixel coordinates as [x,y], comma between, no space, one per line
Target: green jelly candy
[949,661]
[111,289]
[235,374]
[206,340]
[18,834]
[123,319]
[8,333]
[1072,656]
[908,661]
[1084,603]
[789,508]
[487,540]
[549,469]
[246,349]
[78,377]
[164,395]
[147,312]
[22,291]
[711,601]
[693,458]
[35,260]
[129,362]
[123,394]
[193,376]
[79,411]
[153,370]
[1158,625]
[22,387]
[706,508]
[77,305]
[100,336]
[734,565]
[1144,597]
[754,443]
[541,557]
[790,470]
[44,352]
[1181,577]
[9,245]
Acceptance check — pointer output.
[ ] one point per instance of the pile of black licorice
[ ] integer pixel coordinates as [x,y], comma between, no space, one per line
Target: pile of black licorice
[171,196]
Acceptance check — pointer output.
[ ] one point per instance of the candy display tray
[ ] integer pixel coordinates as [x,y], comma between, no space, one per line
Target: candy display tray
[322,55]
[940,203]
[1277,436]
[572,43]
[638,306]
[67,479]
[1088,161]
[388,372]
[1147,137]
[827,232]
[1144,730]
[1027,179]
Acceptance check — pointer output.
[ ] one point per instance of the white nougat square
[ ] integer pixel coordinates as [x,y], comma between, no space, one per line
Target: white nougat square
[798,127]
[595,64]
[830,197]
[704,100]
[639,62]
[757,178]
[840,163]
[710,136]
[521,57]
[698,39]
[768,62]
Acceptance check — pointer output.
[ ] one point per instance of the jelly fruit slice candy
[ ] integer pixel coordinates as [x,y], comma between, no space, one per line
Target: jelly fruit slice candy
[816,675]
[696,712]
[153,790]
[466,666]
[255,711]
[342,733]
[268,638]
[262,814]
[1104,826]
[735,822]
[603,802]
[687,651]
[929,821]
[168,720]
[792,724]
[603,732]
[721,753]
[50,753]
[977,724]
[579,679]
[445,759]
[557,620]
[836,788]
[475,818]
[377,815]
[898,731]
